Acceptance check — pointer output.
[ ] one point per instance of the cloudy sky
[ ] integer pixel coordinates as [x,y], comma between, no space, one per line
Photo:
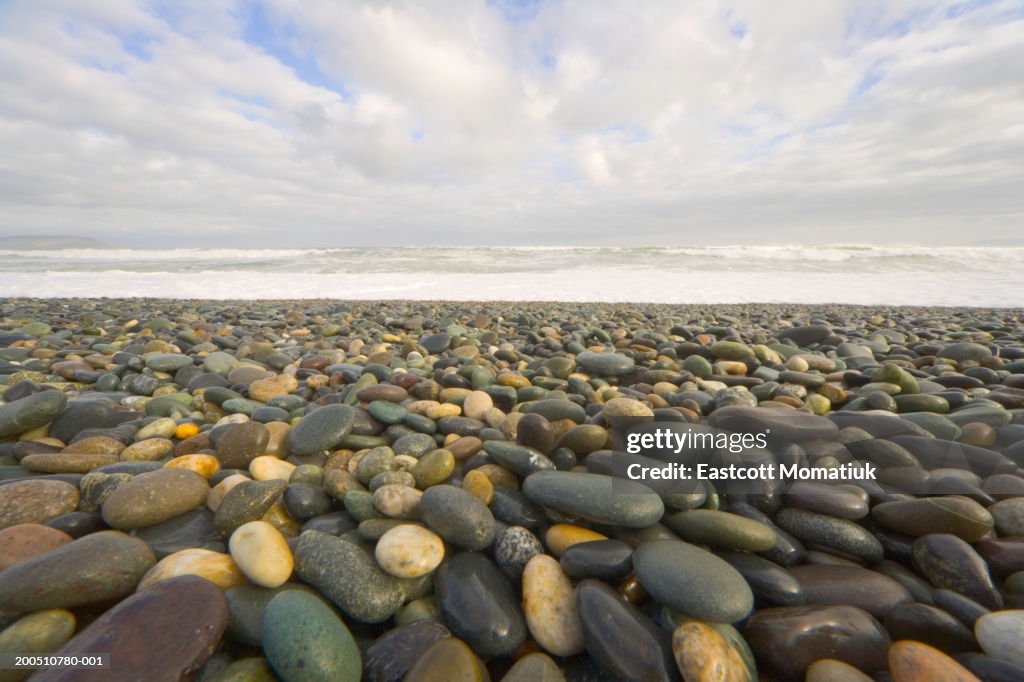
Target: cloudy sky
[284,122]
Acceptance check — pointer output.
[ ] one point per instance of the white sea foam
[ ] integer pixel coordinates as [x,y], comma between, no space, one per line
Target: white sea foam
[873,275]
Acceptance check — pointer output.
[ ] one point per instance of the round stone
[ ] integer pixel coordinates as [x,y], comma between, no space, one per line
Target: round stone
[154,497]
[262,553]
[409,551]
[35,501]
[691,580]
[458,517]
[1000,634]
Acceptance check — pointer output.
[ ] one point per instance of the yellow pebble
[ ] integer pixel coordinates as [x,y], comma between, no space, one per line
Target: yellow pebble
[204,465]
[266,468]
[562,536]
[186,430]
[477,484]
[444,410]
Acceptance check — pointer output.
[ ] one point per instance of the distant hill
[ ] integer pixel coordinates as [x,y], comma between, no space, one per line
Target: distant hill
[50,241]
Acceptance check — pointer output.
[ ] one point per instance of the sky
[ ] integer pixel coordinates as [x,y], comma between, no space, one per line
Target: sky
[280,123]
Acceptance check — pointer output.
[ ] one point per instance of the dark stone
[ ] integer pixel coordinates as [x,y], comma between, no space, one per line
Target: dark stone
[621,638]
[479,605]
[787,640]
[164,632]
[949,562]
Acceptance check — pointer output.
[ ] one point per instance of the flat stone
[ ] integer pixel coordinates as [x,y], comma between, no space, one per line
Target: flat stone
[779,425]
[107,565]
[722,530]
[605,364]
[951,514]
[608,560]
[165,632]
[693,581]
[838,534]
[917,662]
[154,497]
[26,540]
[321,430]
[932,626]
[192,530]
[771,584]
[598,498]
[786,640]
[30,412]
[35,501]
[874,592]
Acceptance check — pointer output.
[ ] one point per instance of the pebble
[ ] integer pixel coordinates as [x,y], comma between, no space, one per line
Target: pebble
[447,660]
[788,639]
[595,497]
[26,540]
[693,581]
[304,639]
[458,517]
[1000,634]
[217,567]
[620,638]
[165,632]
[347,575]
[513,549]
[703,655]
[722,530]
[409,551]
[479,605]
[35,501]
[154,497]
[955,515]
[949,562]
[916,662]
[107,565]
[550,607]
[262,554]
[392,654]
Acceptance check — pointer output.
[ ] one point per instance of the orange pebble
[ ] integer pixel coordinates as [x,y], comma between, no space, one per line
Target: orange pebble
[186,430]
[562,536]
[204,465]
[911,661]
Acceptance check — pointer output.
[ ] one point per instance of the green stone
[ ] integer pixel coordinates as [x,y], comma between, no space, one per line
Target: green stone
[305,641]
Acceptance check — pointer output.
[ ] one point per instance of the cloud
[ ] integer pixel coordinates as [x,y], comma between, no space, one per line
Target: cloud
[288,122]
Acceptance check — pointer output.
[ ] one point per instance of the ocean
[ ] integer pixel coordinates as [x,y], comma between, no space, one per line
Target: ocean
[868,275]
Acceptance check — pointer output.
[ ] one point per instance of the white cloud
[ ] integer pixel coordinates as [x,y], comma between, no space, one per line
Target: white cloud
[581,122]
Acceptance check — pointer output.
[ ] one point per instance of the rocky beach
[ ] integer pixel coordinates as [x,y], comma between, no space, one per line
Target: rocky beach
[426,491]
